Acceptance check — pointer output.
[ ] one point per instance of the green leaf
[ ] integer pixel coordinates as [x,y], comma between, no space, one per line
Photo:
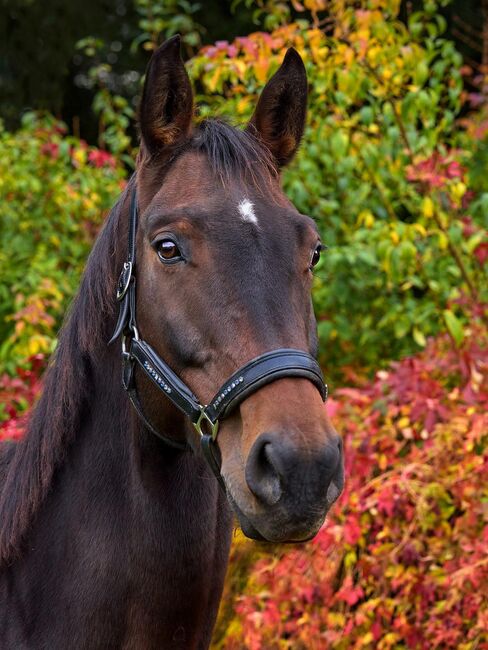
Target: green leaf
[454,326]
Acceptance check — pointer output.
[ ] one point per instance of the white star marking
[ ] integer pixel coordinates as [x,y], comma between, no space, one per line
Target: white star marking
[246,210]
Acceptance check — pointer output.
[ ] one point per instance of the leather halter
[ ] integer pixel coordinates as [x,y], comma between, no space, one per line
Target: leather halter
[247,380]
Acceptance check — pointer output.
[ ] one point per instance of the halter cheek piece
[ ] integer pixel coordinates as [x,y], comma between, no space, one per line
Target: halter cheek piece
[247,380]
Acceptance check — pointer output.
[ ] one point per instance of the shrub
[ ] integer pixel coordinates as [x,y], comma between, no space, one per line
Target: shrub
[54,191]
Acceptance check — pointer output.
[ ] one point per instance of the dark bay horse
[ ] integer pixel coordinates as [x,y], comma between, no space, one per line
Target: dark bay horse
[114,531]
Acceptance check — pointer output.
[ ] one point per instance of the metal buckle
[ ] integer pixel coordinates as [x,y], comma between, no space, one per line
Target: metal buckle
[124,280]
[125,345]
[203,417]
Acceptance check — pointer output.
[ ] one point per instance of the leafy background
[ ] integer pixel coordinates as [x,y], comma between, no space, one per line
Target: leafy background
[393,170]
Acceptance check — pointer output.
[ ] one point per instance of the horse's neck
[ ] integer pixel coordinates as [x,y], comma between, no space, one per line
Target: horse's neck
[143,529]
[113,430]
[177,519]
[149,472]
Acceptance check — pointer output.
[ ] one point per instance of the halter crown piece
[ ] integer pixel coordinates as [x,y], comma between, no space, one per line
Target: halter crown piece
[245,381]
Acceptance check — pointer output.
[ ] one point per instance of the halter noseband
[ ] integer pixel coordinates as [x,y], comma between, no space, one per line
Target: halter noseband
[247,380]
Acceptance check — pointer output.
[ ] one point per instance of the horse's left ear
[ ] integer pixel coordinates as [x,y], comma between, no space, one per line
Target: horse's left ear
[166,109]
[279,118]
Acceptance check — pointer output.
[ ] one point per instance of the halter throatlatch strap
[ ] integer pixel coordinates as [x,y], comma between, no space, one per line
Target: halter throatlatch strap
[258,372]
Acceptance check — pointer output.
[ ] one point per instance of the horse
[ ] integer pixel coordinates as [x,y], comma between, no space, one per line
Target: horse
[116,519]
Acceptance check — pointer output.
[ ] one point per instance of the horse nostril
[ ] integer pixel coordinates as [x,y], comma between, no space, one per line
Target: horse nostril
[332,454]
[262,475]
[332,462]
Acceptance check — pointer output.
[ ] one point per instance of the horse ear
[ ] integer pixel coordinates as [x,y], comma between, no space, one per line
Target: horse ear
[166,108]
[279,118]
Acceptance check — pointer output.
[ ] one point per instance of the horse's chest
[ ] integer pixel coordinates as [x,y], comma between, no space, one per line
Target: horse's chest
[174,594]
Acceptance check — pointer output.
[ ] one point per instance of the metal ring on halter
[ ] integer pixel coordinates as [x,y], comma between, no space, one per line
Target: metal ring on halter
[124,346]
[124,280]
[214,426]
[135,332]
[135,335]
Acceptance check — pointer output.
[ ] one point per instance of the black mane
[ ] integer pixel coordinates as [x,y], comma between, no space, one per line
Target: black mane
[233,152]
[27,471]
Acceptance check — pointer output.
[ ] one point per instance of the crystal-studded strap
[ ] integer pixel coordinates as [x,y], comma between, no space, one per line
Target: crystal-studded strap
[165,379]
[263,370]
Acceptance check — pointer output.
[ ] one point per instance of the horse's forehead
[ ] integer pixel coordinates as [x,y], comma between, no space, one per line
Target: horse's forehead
[190,181]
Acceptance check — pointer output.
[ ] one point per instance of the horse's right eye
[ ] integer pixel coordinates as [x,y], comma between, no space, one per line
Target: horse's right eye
[168,250]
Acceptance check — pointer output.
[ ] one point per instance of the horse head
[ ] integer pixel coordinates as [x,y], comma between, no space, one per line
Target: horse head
[224,274]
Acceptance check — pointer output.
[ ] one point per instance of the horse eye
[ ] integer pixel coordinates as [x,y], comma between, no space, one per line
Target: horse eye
[168,250]
[315,256]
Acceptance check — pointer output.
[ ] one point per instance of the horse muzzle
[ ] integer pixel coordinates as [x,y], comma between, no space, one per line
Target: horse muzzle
[291,489]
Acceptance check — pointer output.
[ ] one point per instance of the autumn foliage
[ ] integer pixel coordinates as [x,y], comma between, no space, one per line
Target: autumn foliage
[17,396]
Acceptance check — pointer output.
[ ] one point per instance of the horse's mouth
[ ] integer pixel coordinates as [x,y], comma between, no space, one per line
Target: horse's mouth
[247,528]
[299,534]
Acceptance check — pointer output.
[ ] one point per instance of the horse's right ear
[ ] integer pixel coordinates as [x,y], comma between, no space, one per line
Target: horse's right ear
[279,118]
[166,108]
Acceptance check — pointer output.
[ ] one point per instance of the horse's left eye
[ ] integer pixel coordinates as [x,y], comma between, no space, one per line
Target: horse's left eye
[315,256]
[168,250]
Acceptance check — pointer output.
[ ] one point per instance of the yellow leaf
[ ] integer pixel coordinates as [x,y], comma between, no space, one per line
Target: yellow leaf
[80,156]
[458,190]
[366,217]
[261,69]
[33,346]
[214,80]
[443,240]
[420,229]
[427,207]
[240,67]
[391,637]
[336,619]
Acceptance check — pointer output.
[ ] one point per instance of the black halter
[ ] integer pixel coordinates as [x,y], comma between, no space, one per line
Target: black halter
[247,380]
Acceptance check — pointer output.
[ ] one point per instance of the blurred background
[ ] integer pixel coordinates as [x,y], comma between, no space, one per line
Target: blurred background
[394,169]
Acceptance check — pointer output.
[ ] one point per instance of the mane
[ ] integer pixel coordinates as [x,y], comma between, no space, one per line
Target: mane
[27,468]
[234,153]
